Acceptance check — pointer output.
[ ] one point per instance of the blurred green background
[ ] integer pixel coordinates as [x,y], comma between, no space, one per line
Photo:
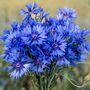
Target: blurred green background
[9,11]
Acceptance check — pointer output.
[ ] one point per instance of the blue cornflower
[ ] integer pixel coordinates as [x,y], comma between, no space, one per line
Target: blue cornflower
[31,9]
[52,26]
[14,40]
[19,67]
[38,60]
[38,64]
[76,45]
[15,27]
[56,44]
[13,53]
[34,15]
[67,14]
[35,35]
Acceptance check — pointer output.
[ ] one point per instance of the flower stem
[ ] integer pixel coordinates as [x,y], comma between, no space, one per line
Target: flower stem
[39,79]
[49,84]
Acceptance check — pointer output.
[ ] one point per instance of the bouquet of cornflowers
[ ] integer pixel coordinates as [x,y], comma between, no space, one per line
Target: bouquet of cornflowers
[41,46]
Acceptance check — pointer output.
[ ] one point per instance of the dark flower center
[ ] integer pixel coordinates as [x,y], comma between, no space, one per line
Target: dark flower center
[14,40]
[18,65]
[34,36]
[37,61]
[47,53]
[55,45]
[52,31]
[62,22]
[65,15]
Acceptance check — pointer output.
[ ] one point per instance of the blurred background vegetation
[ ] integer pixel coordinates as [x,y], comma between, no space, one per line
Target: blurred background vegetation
[9,11]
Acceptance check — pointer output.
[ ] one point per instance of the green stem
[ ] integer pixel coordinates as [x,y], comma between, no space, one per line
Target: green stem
[34,85]
[78,86]
[52,77]
[49,84]
[45,83]
[39,79]
[41,83]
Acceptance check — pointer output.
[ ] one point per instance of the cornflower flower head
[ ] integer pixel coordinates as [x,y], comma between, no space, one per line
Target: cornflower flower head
[35,35]
[19,67]
[56,44]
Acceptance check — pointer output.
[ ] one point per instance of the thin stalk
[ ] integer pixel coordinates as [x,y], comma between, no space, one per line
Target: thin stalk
[52,77]
[45,84]
[41,83]
[34,85]
[39,79]
[49,84]
[73,83]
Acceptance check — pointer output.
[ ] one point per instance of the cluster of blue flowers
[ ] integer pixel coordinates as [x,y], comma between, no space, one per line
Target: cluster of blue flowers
[41,40]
